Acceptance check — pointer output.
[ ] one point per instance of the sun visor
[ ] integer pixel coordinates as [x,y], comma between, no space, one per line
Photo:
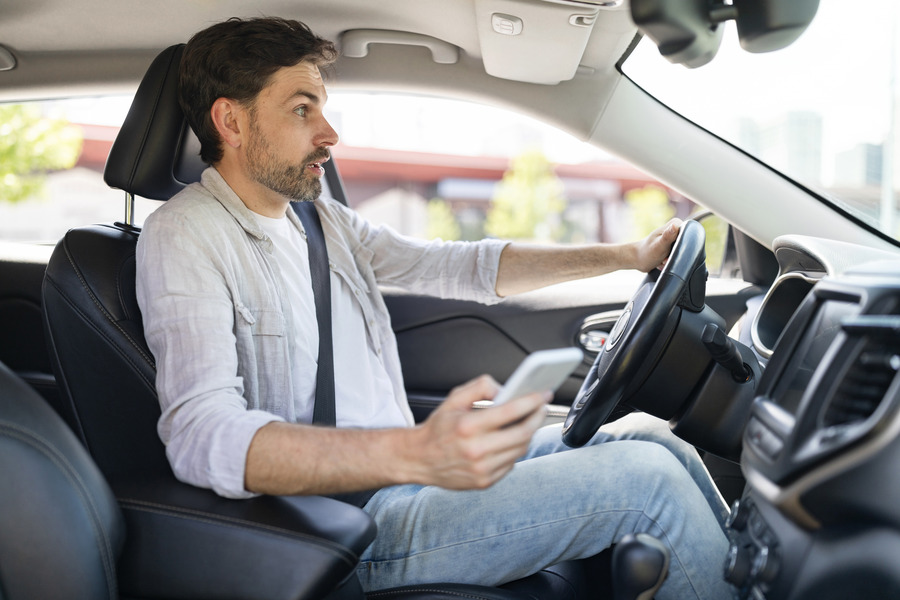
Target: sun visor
[535,41]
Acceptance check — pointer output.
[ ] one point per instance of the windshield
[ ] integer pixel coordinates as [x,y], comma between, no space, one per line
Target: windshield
[819,111]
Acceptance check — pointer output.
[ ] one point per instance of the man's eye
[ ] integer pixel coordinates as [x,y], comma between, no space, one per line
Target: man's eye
[300,111]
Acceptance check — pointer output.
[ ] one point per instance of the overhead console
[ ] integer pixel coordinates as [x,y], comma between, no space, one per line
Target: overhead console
[522,40]
[821,517]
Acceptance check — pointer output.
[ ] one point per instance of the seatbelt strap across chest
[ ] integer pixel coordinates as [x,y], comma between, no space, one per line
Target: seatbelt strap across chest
[320,274]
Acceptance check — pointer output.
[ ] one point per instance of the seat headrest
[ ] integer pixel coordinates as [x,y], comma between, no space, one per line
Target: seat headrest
[155,154]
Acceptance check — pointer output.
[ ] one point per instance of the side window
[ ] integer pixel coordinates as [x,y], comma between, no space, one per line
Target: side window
[51,175]
[716,244]
[427,167]
[437,168]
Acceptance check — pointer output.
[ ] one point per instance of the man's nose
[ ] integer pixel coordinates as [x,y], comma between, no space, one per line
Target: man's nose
[327,135]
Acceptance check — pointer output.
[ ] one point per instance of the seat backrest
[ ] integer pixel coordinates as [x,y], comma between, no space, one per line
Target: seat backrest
[104,370]
[61,530]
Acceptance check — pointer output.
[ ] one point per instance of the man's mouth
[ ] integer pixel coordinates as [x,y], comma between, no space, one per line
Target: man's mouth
[317,167]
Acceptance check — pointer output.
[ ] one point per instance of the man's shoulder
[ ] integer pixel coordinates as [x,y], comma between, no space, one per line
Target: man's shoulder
[343,218]
[192,204]
[193,198]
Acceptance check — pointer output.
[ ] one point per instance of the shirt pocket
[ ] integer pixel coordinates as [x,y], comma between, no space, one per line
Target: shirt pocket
[262,352]
[260,321]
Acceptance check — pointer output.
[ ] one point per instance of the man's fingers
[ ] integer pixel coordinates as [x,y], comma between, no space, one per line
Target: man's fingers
[496,417]
[475,448]
[507,436]
[480,388]
[497,457]
[668,235]
[672,227]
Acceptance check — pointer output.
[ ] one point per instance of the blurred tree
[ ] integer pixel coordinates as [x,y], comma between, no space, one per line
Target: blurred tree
[31,145]
[528,202]
[650,208]
[442,222]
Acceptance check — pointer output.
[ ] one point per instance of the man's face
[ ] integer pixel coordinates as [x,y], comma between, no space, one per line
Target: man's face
[289,136]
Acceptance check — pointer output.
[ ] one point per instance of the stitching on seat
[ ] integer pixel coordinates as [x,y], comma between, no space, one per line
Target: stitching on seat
[151,123]
[45,447]
[111,341]
[218,519]
[102,309]
[132,256]
[78,426]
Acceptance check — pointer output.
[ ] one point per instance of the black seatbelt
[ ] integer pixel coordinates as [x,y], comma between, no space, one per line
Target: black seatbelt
[323,412]
[320,273]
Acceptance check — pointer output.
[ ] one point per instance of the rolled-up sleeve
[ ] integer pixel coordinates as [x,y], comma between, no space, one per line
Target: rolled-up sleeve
[188,312]
[458,270]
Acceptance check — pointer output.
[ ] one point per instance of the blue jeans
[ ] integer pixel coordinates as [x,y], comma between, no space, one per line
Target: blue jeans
[558,504]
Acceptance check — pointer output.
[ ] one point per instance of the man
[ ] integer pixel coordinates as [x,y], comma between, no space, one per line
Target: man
[466,496]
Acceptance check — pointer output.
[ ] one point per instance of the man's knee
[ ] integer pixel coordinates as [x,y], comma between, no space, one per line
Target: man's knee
[635,465]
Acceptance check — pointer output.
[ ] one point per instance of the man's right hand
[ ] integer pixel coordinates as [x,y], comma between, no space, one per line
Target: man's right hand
[459,447]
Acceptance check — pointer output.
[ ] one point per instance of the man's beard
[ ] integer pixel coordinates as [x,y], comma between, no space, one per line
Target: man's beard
[290,180]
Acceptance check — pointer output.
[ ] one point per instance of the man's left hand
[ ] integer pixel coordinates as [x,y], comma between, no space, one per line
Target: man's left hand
[653,251]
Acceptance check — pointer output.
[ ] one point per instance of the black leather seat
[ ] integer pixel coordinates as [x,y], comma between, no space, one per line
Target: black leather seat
[106,377]
[63,535]
[57,515]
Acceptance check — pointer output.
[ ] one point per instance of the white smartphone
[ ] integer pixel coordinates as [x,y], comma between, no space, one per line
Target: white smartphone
[541,371]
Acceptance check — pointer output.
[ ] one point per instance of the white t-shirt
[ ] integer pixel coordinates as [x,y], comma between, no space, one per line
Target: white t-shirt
[364,397]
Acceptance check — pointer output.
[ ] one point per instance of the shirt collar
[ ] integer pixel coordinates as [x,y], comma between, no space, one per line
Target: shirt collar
[213,181]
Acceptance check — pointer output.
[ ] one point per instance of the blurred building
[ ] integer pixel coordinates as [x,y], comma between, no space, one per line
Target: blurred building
[861,166]
[791,143]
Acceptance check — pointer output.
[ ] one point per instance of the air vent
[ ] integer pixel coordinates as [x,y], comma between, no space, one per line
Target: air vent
[865,384]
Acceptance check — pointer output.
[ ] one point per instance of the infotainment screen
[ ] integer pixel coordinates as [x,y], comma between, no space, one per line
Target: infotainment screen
[817,337]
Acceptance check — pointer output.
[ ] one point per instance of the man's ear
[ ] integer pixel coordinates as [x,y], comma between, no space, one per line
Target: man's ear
[226,117]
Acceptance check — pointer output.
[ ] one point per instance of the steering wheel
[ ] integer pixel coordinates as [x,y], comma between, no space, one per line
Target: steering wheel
[639,337]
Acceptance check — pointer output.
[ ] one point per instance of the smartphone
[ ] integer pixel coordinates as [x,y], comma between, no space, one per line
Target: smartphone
[541,371]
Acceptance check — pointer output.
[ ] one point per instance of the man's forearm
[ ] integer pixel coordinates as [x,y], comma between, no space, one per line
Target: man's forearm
[456,448]
[526,267]
[286,459]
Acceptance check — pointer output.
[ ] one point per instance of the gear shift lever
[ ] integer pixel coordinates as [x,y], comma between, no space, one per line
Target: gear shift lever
[640,564]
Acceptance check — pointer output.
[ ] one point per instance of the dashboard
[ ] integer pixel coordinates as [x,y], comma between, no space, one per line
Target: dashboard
[820,517]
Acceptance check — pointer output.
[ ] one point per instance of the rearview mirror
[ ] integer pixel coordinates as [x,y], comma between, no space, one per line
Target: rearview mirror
[767,25]
[689,32]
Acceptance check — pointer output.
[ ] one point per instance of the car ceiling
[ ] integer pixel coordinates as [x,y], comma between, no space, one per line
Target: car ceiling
[65,48]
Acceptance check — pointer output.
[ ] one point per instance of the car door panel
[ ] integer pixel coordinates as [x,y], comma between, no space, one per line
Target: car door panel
[443,343]
[23,347]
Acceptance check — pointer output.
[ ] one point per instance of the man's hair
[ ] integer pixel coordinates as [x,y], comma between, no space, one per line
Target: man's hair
[235,59]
